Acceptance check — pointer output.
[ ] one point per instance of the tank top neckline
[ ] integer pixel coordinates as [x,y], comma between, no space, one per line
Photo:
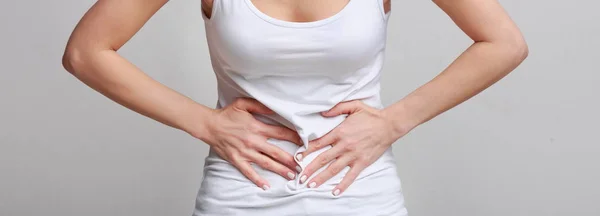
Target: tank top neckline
[293,24]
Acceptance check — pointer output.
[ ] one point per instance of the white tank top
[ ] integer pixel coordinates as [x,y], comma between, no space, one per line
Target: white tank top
[298,69]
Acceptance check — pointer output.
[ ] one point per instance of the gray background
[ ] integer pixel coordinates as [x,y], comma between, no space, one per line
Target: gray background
[526,146]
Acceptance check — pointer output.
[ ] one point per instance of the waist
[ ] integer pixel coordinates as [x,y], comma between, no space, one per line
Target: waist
[383,166]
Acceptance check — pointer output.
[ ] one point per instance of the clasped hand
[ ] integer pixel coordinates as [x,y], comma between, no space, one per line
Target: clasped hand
[357,142]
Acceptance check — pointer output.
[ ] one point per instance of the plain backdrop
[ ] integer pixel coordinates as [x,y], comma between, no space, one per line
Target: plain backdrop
[526,146]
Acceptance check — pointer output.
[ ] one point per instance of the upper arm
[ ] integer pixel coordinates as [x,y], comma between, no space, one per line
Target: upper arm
[482,20]
[109,24]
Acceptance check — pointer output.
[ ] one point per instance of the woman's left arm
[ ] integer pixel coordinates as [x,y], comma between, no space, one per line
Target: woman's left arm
[498,49]
[367,132]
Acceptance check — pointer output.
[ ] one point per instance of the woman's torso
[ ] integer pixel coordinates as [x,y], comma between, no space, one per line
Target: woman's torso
[298,69]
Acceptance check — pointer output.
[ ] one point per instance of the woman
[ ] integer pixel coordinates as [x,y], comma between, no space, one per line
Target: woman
[299,128]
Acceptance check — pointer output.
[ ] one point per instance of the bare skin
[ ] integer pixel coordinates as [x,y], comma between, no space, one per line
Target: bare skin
[91,55]
[498,47]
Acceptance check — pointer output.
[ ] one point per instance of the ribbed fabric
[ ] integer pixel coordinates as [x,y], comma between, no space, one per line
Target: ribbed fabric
[298,69]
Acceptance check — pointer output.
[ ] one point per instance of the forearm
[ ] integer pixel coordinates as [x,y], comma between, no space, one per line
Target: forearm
[481,65]
[113,76]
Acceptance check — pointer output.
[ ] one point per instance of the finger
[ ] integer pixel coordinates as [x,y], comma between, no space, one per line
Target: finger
[348,179]
[248,171]
[333,169]
[347,107]
[279,155]
[251,105]
[281,133]
[269,164]
[320,161]
[316,144]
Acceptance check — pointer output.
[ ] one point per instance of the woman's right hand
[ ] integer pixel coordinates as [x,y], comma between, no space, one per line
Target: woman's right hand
[241,139]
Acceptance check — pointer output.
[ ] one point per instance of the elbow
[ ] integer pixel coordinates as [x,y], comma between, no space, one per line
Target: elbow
[76,58]
[518,49]
[521,50]
[72,60]
[511,47]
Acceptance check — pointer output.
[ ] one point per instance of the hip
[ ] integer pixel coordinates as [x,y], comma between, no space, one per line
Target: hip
[224,189]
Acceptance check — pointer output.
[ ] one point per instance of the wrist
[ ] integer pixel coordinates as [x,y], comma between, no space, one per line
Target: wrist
[400,118]
[197,120]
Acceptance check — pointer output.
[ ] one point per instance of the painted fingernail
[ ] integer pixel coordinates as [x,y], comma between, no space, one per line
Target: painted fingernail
[299,157]
[312,184]
[336,192]
[299,169]
[266,187]
[291,175]
[302,179]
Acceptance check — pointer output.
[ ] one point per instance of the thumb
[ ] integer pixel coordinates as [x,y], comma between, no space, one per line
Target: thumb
[252,105]
[348,107]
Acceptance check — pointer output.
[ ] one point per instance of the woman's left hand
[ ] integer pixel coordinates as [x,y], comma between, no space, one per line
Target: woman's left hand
[357,142]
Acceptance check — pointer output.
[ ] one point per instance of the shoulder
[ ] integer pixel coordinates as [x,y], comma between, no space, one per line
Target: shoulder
[207,7]
[387,5]
[210,2]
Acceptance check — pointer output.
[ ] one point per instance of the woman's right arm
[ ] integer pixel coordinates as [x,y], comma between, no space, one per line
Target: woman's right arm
[91,56]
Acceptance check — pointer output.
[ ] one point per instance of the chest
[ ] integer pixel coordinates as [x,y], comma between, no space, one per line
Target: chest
[300,10]
[254,44]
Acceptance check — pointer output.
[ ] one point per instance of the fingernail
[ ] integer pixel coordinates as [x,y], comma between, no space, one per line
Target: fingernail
[291,175]
[299,169]
[299,157]
[302,179]
[312,185]
[336,192]
[266,187]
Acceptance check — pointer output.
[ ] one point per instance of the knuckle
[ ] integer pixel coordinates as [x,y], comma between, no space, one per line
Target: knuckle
[360,160]
[287,159]
[351,140]
[232,156]
[238,101]
[276,155]
[357,159]
[265,164]
[323,161]
[245,155]
[248,142]
[255,127]
[315,144]
[350,147]
[343,131]
[334,169]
